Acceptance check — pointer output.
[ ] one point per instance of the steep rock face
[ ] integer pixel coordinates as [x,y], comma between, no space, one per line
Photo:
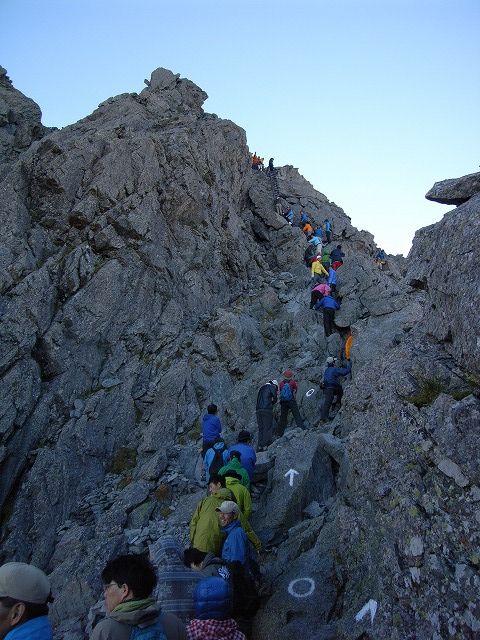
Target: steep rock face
[144,273]
[445,260]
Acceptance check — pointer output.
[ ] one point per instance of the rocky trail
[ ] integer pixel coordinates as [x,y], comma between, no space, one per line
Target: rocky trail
[144,273]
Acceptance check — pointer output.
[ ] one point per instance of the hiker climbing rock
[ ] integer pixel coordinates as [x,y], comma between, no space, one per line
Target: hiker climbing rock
[288,402]
[129,581]
[270,165]
[233,481]
[205,531]
[332,279]
[318,270]
[289,216]
[266,398]
[211,428]
[307,229]
[318,292]
[235,545]
[247,452]
[235,464]
[328,305]
[215,458]
[309,255]
[336,256]
[380,259]
[315,241]
[332,386]
[304,218]
[328,229]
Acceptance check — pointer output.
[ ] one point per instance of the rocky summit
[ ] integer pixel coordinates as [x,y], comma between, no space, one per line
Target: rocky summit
[144,273]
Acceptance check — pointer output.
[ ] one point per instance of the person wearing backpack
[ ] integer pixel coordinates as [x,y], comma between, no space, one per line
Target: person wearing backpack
[248,456]
[215,457]
[288,402]
[332,386]
[132,614]
[213,612]
[236,465]
[211,428]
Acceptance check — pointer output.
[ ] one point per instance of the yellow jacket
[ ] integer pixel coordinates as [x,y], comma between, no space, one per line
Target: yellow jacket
[318,268]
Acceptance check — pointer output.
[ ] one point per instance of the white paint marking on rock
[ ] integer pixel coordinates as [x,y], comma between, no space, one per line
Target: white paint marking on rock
[302,594]
[370,606]
[291,473]
[310,392]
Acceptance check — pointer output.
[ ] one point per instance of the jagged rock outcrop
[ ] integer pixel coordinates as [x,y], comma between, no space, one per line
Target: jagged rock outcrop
[144,273]
[456,190]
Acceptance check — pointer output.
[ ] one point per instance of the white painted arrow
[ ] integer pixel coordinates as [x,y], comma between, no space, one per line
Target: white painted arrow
[292,473]
[370,606]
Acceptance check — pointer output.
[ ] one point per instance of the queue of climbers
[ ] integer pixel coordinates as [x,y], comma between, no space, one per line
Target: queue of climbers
[210,589]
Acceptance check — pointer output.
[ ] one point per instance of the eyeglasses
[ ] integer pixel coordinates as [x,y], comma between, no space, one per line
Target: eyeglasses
[106,587]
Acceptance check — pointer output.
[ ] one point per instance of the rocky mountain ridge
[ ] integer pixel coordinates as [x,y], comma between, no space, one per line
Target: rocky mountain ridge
[144,272]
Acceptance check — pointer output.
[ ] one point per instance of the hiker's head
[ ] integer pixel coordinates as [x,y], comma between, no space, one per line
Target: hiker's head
[236,454]
[233,474]
[227,512]
[274,382]
[339,246]
[288,374]
[193,558]
[216,483]
[128,577]
[212,408]
[331,361]
[24,594]
[244,436]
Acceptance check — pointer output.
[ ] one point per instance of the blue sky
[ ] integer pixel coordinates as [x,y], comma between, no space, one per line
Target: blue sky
[373,100]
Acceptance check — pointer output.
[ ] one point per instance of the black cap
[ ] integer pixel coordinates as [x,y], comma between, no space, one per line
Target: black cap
[244,436]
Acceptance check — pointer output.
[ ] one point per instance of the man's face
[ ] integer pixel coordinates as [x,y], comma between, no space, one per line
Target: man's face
[213,488]
[225,518]
[10,618]
[115,595]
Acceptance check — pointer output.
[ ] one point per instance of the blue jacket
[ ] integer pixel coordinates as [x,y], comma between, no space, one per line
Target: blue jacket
[235,546]
[332,276]
[35,629]
[211,427]
[304,218]
[210,455]
[213,599]
[328,225]
[289,215]
[332,375]
[315,241]
[336,254]
[327,302]
[318,232]
[248,457]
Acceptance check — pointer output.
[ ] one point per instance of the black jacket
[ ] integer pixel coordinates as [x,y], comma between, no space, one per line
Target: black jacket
[267,396]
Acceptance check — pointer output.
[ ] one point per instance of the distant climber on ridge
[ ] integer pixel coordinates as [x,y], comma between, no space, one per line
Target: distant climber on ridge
[289,216]
[270,165]
[332,386]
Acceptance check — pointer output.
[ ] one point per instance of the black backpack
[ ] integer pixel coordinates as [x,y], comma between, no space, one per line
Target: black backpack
[246,601]
[217,461]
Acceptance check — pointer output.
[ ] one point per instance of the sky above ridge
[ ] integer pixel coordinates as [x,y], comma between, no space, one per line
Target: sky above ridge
[372,100]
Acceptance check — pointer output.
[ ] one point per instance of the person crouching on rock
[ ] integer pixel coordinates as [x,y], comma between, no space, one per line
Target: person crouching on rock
[128,582]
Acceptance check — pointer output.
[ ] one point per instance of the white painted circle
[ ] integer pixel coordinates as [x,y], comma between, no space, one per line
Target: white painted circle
[295,593]
[310,392]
